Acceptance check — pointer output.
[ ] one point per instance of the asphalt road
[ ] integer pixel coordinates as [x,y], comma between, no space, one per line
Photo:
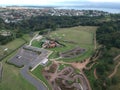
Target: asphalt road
[1,70]
[38,84]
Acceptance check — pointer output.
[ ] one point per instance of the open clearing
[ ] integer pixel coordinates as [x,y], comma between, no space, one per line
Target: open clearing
[79,35]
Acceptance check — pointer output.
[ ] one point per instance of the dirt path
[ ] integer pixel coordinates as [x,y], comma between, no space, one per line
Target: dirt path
[95,43]
[88,68]
[115,70]
[37,37]
[88,83]
[80,66]
[117,57]
[55,74]
[84,85]
[32,39]
[95,74]
[55,59]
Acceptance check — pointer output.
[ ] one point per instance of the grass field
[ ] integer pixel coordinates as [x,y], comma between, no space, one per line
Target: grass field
[37,43]
[12,79]
[83,36]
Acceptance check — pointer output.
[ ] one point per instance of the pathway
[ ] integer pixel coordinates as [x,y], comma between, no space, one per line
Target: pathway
[95,43]
[117,57]
[115,71]
[95,74]
[36,37]
[32,39]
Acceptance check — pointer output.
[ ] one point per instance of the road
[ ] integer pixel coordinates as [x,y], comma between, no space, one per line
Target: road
[1,70]
[37,83]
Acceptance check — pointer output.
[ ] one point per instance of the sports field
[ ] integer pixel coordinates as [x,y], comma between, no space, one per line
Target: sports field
[81,36]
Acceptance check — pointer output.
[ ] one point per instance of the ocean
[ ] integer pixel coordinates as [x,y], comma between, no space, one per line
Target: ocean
[110,10]
[105,9]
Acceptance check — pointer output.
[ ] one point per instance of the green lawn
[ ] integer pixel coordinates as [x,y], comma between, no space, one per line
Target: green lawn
[11,46]
[14,44]
[36,43]
[81,34]
[27,37]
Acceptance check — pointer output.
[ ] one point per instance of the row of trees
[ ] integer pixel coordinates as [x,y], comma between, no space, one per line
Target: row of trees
[5,39]
[52,22]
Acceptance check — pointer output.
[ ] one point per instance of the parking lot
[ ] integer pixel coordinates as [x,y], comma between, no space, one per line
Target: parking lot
[29,55]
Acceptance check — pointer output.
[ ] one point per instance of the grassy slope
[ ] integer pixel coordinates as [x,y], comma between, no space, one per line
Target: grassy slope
[12,80]
[14,44]
[11,45]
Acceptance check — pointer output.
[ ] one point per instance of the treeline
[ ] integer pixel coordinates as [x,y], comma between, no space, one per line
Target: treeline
[45,22]
[40,23]
[5,39]
[109,34]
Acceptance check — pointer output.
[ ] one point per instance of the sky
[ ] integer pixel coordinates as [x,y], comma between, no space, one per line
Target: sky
[49,2]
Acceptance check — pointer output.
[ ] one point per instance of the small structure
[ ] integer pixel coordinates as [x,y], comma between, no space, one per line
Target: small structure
[5,49]
[44,61]
[5,33]
[50,44]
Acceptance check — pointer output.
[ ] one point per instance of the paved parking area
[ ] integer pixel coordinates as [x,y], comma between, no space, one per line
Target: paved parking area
[29,55]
